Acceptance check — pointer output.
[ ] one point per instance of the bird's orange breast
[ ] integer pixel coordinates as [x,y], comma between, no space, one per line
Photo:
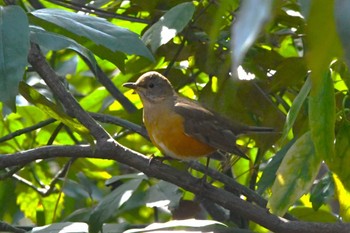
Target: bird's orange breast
[166,131]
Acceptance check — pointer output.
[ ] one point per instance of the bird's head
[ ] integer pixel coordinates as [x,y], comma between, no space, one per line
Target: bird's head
[152,87]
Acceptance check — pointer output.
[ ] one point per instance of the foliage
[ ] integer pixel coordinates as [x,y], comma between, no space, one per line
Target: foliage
[282,64]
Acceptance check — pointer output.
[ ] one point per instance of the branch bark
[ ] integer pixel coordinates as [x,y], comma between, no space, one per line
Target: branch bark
[109,149]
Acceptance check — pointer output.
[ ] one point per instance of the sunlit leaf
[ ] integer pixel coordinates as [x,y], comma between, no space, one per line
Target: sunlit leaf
[14,48]
[169,25]
[343,196]
[63,227]
[176,223]
[311,215]
[295,175]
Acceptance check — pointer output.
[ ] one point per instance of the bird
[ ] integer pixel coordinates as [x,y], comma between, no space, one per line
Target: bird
[182,128]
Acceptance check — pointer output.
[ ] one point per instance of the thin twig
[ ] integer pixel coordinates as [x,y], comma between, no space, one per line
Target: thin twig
[27,130]
[62,173]
[121,122]
[108,84]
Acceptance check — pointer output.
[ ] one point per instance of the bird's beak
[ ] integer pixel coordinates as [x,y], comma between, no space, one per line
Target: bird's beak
[130,85]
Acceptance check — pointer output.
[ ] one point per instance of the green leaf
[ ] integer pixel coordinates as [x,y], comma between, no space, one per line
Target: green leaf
[73,227]
[163,194]
[174,224]
[295,175]
[341,164]
[322,39]
[322,191]
[309,214]
[14,48]
[169,25]
[109,205]
[116,228]
[289,72]
[96,29]
[252,17]
[323,45]
[34,97]
[322,117]
[295,108]
[53,41]
[269,173]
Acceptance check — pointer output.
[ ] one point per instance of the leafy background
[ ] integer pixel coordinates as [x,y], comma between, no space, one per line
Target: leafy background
[282,64]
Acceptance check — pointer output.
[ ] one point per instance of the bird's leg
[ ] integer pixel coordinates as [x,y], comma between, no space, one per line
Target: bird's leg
[161,159]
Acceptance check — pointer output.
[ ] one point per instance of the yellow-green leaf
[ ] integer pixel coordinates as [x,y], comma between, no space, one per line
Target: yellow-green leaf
[343,196]
[34,97]
[295,175]
[322,39]
[322,116]
[341,164]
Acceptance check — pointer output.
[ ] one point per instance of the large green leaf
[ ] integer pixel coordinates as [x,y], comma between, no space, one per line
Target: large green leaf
[323,45]
[109,205]
[295,175]
[169,25]
[96,29]
[53,41]
[252,17]
[322,116]
[14,47]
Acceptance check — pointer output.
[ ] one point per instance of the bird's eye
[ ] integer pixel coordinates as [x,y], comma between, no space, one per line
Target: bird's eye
[151,85]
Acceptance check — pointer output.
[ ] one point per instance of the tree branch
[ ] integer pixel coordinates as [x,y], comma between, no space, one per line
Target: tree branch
[109,149]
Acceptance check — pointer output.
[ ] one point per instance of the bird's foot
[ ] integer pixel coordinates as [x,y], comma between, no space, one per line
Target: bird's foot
[160,159]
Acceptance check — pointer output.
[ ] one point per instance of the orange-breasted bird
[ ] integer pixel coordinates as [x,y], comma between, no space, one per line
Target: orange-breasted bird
[182,128]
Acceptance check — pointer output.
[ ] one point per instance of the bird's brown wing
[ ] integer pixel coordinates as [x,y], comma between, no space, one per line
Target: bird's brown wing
[207,127]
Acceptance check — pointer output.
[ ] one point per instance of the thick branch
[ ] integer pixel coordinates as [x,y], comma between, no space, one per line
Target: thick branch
[111,150]
[39,63]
